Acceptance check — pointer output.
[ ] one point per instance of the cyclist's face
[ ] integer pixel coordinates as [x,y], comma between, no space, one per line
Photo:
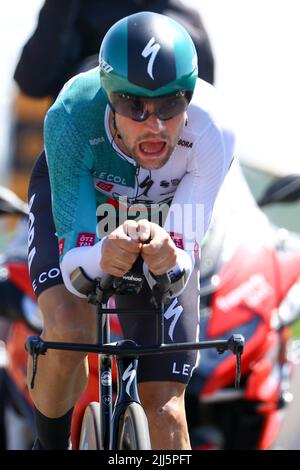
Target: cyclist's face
[150,142]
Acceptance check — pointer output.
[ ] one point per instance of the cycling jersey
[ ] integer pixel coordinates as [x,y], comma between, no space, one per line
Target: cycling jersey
[89,174]
[181,318]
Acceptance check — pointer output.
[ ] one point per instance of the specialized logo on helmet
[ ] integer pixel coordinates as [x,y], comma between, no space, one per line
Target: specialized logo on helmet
[151,49]
[105,66]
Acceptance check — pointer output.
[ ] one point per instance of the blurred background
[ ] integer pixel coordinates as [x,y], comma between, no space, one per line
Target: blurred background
[257,74]
[255,44]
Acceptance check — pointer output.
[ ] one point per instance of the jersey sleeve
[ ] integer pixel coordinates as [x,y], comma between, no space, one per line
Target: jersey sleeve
[191,209]
[70,164]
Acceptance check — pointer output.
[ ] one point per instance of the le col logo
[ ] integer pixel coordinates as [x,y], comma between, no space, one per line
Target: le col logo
[44,276]
[85,239]
[105,66]
[185,143]
[112,178]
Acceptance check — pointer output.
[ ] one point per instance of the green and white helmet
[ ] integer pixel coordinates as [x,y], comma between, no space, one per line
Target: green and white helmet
[147,54]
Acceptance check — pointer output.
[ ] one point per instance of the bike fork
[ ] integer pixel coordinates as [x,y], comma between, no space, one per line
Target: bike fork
[127,390]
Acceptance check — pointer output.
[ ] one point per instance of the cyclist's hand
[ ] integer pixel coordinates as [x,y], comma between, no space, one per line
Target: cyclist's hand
[120,249]
[160,252]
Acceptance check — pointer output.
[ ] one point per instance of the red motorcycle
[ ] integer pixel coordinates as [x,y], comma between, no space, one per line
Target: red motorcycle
[250,283]
[250,278]
[18,306]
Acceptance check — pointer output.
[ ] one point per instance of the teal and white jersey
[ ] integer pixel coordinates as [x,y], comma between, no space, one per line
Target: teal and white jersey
[95,187]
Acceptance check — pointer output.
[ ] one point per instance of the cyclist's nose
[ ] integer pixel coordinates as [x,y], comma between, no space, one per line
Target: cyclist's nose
[155,124]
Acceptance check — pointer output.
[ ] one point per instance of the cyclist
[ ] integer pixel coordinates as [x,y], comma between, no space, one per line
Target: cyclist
[138,146]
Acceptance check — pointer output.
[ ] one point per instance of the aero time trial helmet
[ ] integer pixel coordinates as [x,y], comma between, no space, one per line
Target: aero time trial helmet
[147,54]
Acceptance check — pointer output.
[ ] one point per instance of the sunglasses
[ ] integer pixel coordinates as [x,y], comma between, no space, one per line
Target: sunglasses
[136,107]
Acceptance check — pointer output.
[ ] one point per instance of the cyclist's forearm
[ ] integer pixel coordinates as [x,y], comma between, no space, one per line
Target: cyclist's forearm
[179,274]
[88,258]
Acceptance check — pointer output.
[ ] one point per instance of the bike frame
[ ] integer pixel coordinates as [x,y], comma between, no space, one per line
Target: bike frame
[127,353]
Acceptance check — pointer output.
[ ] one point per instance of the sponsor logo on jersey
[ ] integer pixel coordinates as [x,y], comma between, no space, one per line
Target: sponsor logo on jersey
[166,184]
[45,276]
[183,369]
[107,187]
[112,178]
[85,239]
[173,312]
[61,245]
[177,239]
[96,141]
[185,143]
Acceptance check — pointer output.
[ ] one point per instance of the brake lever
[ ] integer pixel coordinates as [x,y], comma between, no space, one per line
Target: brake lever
[35,346]
[236,345]
[103,290]
[160,289]
[107,281]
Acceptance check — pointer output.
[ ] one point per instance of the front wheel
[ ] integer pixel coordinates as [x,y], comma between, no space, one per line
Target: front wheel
[90,428]
[133,430]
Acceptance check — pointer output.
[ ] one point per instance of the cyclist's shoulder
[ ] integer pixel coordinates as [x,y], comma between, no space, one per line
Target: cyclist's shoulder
[207,110]
[204,102]
[80,96]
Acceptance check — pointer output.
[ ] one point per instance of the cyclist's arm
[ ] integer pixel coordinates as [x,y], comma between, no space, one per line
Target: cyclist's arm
[70,163]
[191,209]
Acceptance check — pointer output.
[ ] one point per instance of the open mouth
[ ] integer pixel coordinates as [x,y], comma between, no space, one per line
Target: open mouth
[152,148]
